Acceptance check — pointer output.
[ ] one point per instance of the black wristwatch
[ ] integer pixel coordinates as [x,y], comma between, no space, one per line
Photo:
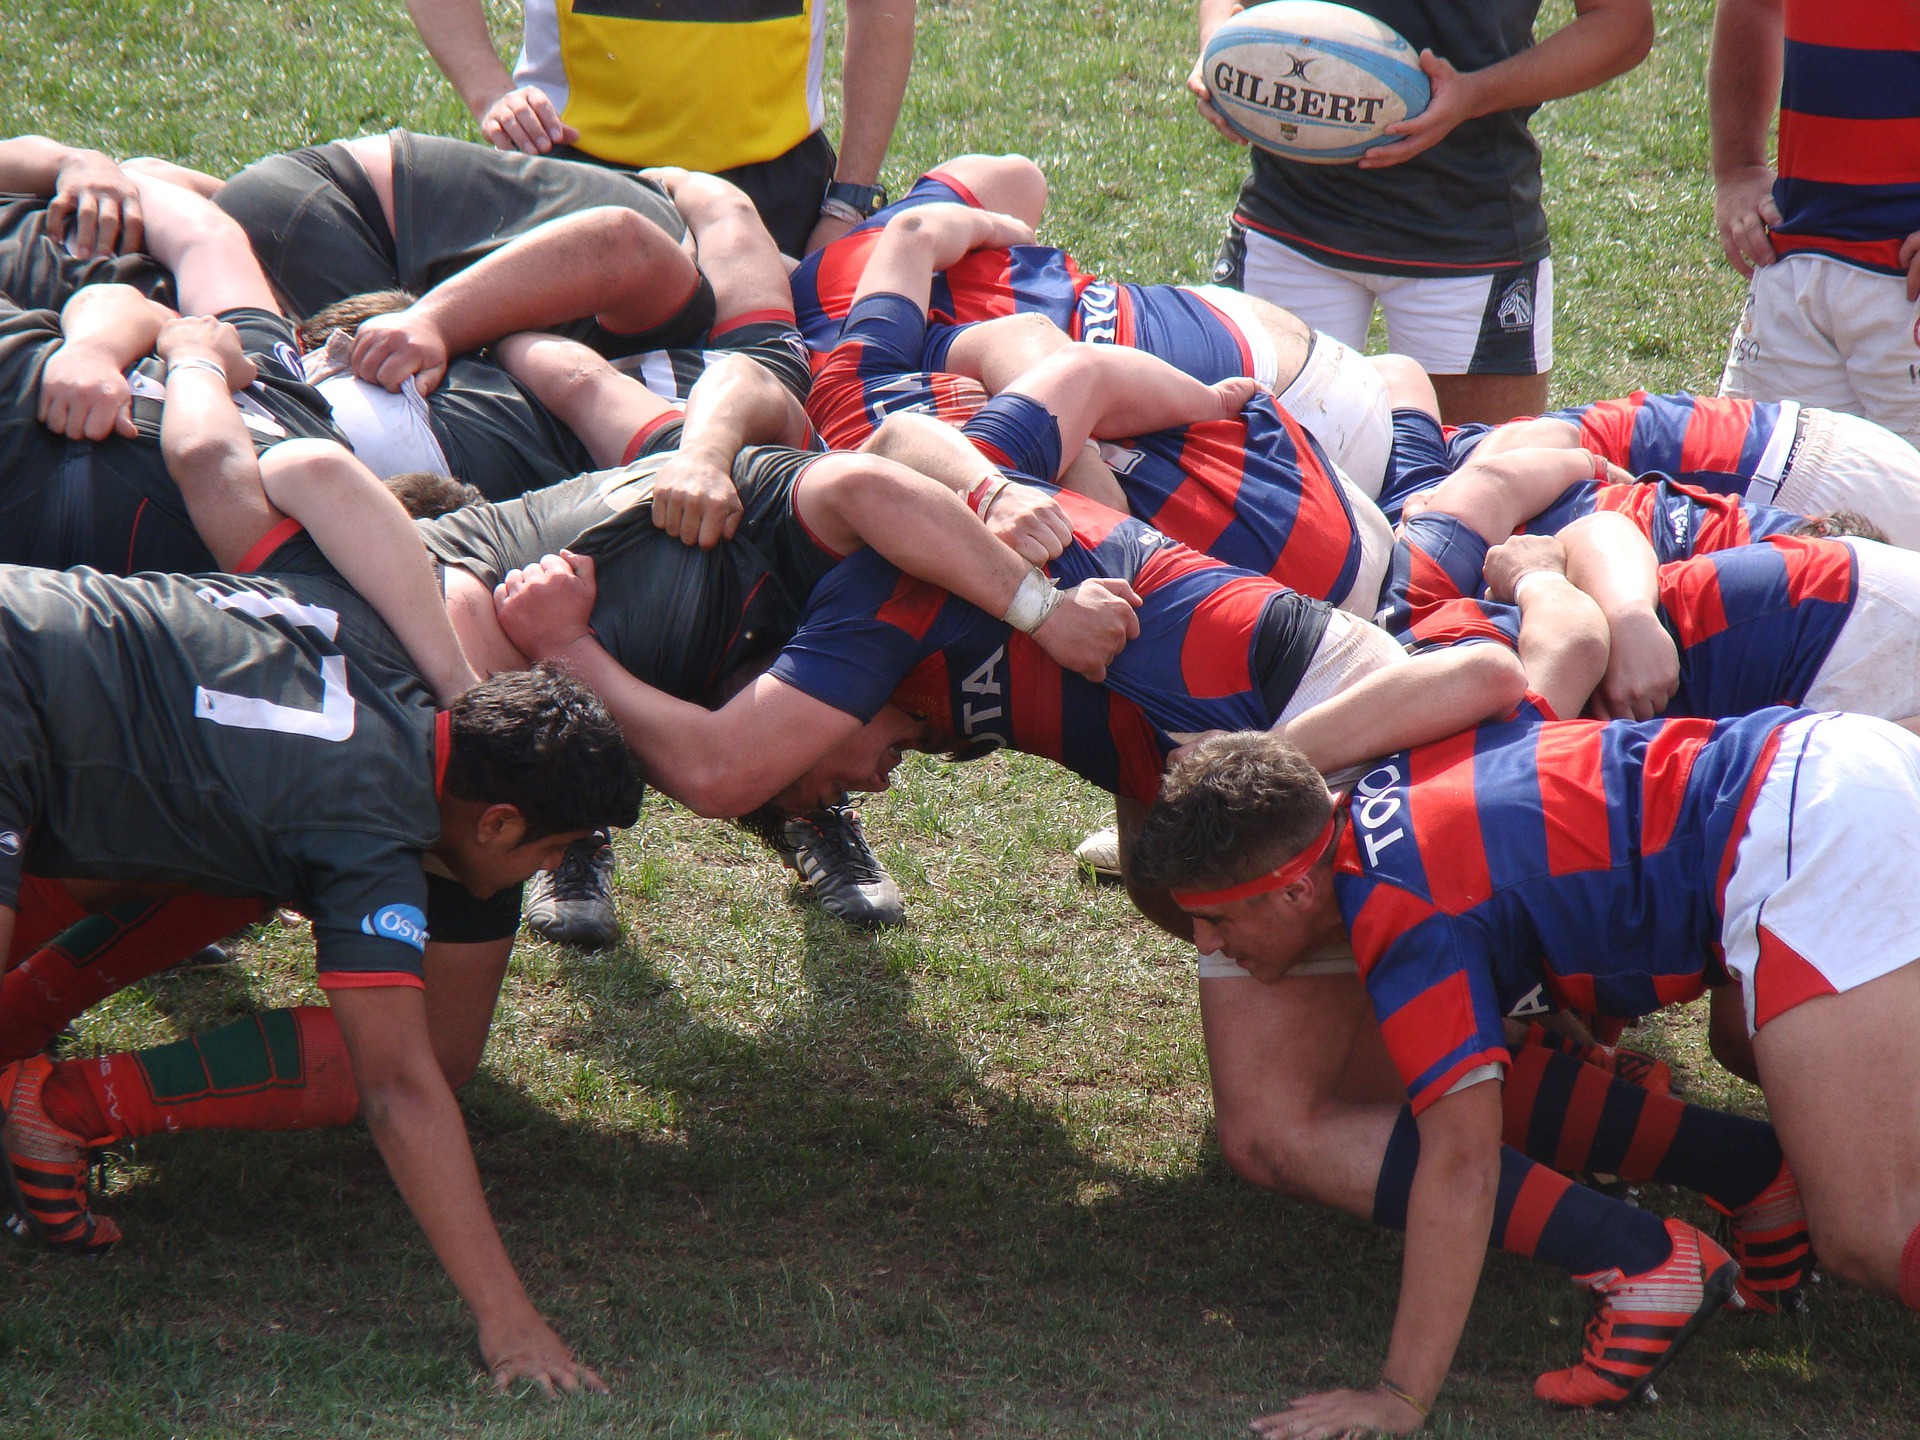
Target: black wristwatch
[867,199]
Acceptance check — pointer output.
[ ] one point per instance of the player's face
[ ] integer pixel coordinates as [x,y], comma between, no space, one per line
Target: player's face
[1266,935]
[492,855]
[864,761]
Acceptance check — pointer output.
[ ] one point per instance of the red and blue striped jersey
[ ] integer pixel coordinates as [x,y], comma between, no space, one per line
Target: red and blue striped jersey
[1712,443]
[1170,321]
[1525,865]
[1257,492]
[1849,149]
[874,372]
[1755,624]
[1680,521]
[1218,649]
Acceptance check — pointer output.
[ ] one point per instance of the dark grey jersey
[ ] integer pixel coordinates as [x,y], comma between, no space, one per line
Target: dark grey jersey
[111,503]
[38,272]
[674,615]
[260,735]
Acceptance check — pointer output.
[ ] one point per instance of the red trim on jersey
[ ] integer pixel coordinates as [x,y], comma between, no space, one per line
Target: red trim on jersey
[258,552]
[1782,979]
[1533,1206]
[1853,26]
[995,457]
[1387,913]
[1482,267]
[1216,653]
[1716,433]
[1574,992]
[1035,679]
[1141,761]
[1573,798]
[1664,770]
[912,607]
[1828,149]
[1231,326]
[1880,254]
[945,177]
[133,533]
[646,432]
[1276,879]
[1607,427]
[369,980]
[1739,831]
[1439,792]
[442,749]
[1818,569]
[1690,594]
[752,317]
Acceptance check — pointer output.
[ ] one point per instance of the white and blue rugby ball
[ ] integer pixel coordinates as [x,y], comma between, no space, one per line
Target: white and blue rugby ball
[1312,81]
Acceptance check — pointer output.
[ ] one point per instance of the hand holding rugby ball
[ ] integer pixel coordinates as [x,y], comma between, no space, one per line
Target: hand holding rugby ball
[1312,81]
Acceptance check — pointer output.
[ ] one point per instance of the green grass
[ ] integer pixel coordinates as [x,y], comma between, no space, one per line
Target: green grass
[776,1179]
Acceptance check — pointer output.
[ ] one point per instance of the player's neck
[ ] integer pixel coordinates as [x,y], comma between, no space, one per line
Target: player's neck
[470,608]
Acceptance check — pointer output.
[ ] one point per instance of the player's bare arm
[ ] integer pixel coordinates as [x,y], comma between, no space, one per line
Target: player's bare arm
[1564,641]
[608,263]
[1426,698]
[93,205]
[1743,88]
[84,393]
[1448,1218]
[1610,559]
[417,1124]
[735,403]
[1024,518]
[1605,38]
[512,118]
[1498,493]
[873,81]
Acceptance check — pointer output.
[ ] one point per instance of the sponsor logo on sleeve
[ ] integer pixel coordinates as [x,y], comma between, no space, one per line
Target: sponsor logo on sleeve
[397,922]
[10,843]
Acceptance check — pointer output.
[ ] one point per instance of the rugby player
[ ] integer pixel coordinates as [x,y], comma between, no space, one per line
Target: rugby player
[286,750]
[1208,332]
[1609,867]
[70,217]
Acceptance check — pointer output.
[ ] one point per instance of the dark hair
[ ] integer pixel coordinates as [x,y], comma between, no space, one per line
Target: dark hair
[348,314]
[1234,806]
[542,742]
[1839,525]
[425,495]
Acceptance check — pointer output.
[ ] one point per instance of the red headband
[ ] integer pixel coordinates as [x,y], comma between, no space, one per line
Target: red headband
[1278,879]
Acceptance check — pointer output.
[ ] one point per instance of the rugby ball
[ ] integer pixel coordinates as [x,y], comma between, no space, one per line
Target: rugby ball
[1312,81]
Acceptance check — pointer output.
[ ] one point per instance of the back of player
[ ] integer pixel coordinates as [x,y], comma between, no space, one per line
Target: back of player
[38,272]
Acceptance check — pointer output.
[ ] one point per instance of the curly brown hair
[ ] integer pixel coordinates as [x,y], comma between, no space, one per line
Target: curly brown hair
[349,314]
[1234,806]
[1839,525]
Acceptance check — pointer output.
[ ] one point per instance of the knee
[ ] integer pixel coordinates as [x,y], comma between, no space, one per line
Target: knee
[1407,382]
[1012,184]
[1261,1158]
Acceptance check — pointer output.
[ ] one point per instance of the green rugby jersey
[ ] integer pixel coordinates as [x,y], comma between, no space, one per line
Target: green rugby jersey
[673,615]
[243,735]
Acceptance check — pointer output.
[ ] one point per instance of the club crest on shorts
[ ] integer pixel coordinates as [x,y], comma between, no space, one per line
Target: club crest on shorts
[1515,311]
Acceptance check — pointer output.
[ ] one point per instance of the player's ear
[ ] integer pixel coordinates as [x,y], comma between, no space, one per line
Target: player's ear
[500,827]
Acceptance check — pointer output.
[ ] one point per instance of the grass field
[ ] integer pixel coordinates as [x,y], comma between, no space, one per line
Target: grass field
[773,1178]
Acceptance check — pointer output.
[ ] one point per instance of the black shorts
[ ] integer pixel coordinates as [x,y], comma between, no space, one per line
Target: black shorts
[26,760]
[786,190]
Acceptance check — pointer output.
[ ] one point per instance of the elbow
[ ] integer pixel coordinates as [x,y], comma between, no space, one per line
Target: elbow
[1637,44]
[1495,678]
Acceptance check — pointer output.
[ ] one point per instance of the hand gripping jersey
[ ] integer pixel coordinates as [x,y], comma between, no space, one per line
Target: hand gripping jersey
[243,735]
[676,616]
[1527,865]
[1219,649]
[38,272]
[1718,444]
[1849,171]
[111,503]
[1170,321]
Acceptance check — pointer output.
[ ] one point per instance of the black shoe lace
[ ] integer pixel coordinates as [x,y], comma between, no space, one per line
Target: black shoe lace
[574,878]
[844,842]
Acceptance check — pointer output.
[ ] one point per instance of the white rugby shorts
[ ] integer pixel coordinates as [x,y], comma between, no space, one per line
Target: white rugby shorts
[1874,665]
[1497,324]
[1821,898]
[1342,402]
[1846,462]
[1829,334]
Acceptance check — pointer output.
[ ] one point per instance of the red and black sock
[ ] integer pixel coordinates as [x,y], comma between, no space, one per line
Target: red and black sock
[1538,1213]
[1577,1118]
[277,1070]
[89,957]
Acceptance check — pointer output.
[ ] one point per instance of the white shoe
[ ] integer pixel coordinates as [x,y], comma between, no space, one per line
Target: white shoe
[1100,853]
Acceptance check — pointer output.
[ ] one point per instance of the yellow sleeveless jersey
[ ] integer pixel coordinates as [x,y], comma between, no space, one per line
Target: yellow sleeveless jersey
[707,84]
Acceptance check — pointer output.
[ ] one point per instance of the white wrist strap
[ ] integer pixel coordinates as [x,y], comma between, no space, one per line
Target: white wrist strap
[1520,585]
[1032,602]
[196,362]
